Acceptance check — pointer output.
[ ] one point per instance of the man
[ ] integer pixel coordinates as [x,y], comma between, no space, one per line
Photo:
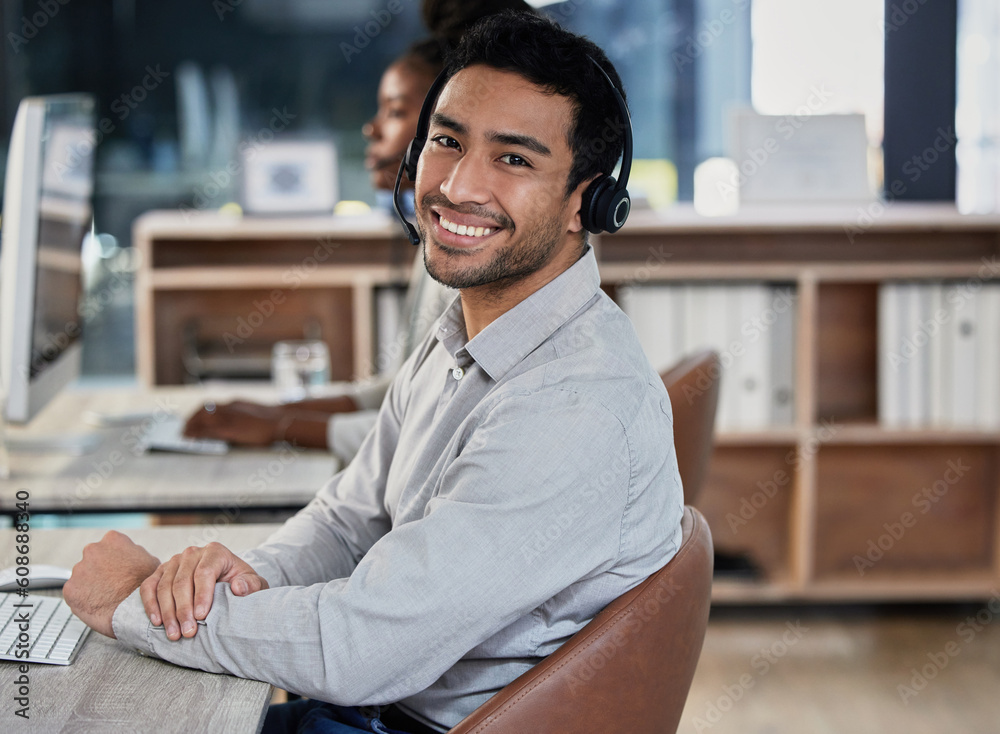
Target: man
[521,474]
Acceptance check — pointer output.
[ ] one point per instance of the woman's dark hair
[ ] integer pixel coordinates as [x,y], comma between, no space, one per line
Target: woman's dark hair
[448,20]
[427,55]
[560,62]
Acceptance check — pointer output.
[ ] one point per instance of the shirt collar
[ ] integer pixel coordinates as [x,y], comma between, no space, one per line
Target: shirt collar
[518,332]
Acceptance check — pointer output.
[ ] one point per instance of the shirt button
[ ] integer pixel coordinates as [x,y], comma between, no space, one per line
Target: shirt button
[458,373]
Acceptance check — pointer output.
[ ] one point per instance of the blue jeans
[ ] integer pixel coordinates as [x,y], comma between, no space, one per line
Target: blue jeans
[316,717]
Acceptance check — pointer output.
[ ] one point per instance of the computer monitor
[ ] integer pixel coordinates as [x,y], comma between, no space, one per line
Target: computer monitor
[47,211]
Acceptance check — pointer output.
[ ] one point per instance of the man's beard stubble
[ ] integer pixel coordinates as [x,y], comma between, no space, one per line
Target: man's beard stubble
[515,260]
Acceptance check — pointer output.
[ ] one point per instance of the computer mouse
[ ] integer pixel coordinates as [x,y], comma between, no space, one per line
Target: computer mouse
[39,575]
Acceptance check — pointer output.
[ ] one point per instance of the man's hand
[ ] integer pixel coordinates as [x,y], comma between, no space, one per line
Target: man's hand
[109,571]
[180,591]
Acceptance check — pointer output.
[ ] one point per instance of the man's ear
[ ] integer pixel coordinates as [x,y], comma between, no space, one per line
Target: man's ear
[575,201]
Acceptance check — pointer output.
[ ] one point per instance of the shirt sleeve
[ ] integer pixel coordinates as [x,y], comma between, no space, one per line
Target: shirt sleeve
[497,540]
[370,393]
[345,432]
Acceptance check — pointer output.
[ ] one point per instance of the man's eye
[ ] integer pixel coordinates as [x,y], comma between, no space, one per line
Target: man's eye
[514,160]
[446,141]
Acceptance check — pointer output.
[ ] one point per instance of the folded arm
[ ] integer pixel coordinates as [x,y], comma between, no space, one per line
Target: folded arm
[432,589]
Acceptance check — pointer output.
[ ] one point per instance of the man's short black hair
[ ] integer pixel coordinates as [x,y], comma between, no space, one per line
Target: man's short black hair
[556,60]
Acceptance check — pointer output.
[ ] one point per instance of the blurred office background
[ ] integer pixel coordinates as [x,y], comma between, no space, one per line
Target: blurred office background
[182,85]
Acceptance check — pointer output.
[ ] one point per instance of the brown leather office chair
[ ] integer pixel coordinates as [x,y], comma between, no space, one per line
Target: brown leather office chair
[629,670]
[693,385]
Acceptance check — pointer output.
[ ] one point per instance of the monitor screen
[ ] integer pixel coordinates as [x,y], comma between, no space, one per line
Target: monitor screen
[47,212]
[64,218]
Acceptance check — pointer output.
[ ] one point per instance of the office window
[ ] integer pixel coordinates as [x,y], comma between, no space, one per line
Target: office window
[977,117]
[819,56]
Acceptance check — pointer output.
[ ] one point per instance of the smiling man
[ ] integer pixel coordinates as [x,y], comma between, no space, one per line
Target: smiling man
[521,474]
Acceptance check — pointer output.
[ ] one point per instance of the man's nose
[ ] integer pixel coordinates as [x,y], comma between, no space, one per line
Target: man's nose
[467,181]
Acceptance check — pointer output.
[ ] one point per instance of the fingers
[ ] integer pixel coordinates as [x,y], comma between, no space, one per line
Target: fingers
[182,587]
[147,592]
[165,599]
[180,592]
[247,583]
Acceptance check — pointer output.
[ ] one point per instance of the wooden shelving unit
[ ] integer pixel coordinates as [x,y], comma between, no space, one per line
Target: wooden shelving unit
[806,503]
[816,493]
[214,275]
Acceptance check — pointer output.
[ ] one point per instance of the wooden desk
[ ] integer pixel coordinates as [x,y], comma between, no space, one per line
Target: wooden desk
[116,477]
[112,689]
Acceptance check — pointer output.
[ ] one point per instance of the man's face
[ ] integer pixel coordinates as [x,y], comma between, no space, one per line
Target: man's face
[400,95]
[491,185]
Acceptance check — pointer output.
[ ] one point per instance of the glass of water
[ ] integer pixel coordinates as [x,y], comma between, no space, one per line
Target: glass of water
[300,368]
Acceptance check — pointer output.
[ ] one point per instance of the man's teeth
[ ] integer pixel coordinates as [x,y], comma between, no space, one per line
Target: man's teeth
[464,230]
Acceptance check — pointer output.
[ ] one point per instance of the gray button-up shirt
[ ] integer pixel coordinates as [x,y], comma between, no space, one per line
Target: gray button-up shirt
[513,486]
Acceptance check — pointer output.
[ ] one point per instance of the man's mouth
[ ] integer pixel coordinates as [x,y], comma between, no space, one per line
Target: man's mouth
[463,229]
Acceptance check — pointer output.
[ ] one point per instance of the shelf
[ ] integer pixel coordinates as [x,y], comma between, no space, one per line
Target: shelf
[748,592]
[767,437]
[255,276]
[854,434]
[925,587]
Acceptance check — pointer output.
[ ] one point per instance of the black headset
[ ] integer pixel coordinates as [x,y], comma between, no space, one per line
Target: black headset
[605,204]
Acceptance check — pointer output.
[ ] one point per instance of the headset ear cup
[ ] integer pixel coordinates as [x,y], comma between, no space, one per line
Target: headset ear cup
[412,156]
[590,204]
[615,206]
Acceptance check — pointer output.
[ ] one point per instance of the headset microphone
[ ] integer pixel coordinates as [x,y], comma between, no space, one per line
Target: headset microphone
[409,163]
[411,231]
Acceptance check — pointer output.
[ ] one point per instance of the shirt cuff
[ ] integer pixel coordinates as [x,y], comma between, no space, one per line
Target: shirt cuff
[131,625]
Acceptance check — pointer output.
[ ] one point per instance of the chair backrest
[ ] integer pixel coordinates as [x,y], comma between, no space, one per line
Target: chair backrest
[630,669]
[693,385]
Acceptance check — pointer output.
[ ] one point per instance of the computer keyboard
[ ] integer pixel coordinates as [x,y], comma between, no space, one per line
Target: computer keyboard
[167,434]
[41,625]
